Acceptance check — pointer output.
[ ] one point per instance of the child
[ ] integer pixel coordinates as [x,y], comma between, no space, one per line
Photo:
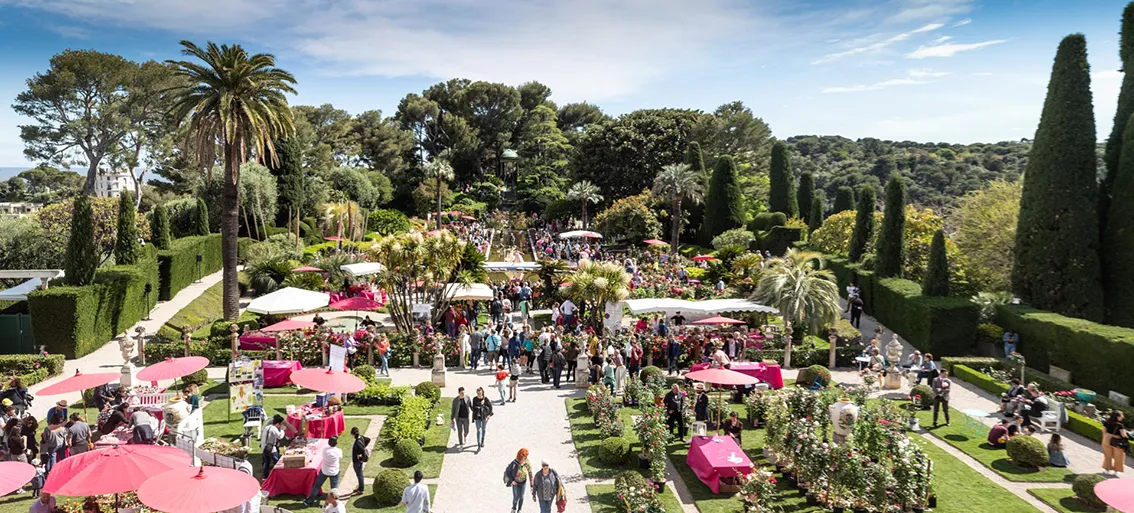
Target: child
[1055,455]
[39,478]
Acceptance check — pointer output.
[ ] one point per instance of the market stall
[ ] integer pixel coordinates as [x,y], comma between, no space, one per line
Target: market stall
[769,373]
[296,471]
[322,422]
[715,459]
[277,373]
[124,433]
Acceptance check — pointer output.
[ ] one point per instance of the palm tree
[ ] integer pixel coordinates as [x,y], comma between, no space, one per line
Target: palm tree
[586,192]
[440,171]
[236,100]
[802,290]
[676,182]
[342,215]
[594,284]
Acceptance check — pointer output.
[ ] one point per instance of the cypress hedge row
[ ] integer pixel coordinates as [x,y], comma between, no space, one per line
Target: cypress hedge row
[177,265]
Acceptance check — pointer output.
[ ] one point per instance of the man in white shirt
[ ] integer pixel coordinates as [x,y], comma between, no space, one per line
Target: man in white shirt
[568,308]
[332,455]
[416,496]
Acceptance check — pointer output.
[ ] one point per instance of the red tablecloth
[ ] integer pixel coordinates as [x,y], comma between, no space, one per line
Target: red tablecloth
[323,427]
[708,457]
[254,342]
[769,374]
[277,373]
[296,481]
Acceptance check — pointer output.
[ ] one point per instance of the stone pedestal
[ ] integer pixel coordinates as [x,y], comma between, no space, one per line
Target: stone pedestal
[439,372]
[127,379]
[582,371]
[892,381]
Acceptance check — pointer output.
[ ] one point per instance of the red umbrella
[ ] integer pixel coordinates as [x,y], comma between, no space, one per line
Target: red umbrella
[198,490]
[723,377]
[307,269]
[654,242]
[288,325]
[14,475]
[173,368]
[327,380]
[701,258]
[356,303]
[334,238]
[719,320]
[80,382]
[1116,493]
[116,469]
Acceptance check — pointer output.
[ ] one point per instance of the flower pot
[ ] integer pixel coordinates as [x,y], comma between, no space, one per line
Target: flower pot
[914,424]
[811,500]
[658,485]
[770,456]
[838,509]
[932,502]
[859,510]
[643,463]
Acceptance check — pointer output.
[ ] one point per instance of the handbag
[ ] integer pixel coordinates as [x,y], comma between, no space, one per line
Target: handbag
[1120,442]
[560,497]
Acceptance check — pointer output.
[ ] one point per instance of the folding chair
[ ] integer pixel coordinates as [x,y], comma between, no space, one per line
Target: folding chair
[254,418]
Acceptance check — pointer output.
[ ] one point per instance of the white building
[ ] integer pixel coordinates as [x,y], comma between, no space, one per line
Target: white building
[18,208]
[110,184]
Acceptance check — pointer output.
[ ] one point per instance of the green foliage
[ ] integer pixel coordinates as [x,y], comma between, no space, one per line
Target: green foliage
[365,373]
[287,167]
[407,453]
[761,222]
[889,246]
[30,368]
[1084,484]
[388,222]
[1115,143]
[650,372]
[614,450]
[388,486]
[126,248]
[863,224]
[924,393]
[197,378]
[428,390]
[820,373]
[815,218]
[937,272]
[781,191]
[940,325]
[1027,451]
[177,266]
[410,421]
[201,224]
[1118,239]
[780,238]
[81,259]
[629,218]
[985,222]
[161,234]
[805,195]
[989,333]
[723,209]
[734,237]
[1057,261]
[354,184]
[844,200]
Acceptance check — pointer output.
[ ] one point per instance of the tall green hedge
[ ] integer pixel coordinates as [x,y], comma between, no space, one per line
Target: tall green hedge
[940,325]
[75,321]
[177,265]
[779,238]
[1097,355]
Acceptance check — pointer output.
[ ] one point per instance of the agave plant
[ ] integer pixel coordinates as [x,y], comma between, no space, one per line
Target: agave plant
[268,274]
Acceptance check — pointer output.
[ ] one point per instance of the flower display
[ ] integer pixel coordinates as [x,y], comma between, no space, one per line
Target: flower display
[652,431]
[758,491]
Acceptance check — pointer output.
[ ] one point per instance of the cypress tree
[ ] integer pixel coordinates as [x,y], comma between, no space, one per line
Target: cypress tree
[1118,239]
[126,249]
[815,220]
[937,273]
[723,209]
[81,259]
[888,250]
[202,224]
[695,218]
[804,195]
[161,234]
[781,187]
[1057,236]
[1114,143]
[844,200]
[863,224]
[289,179]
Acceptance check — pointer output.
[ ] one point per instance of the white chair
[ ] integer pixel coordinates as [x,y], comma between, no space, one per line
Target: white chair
[1050,419]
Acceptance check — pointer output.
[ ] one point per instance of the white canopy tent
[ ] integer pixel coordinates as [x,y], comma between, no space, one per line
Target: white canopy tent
[20,292]
[704,308]
[289,300]
[511,266]
[37,278]
[575,234]
[362,268]
[471,292]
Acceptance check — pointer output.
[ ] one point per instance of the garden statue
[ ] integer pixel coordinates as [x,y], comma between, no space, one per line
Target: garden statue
[582,371]
[234,336]
[438,373]
[893,380]
[844,413]
[141,339]
[126,346]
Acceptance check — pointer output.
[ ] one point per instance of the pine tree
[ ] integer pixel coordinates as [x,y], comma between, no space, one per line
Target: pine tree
[723,208]
[863,224]
[160,227]
[937,272]
[81,259]
[289,180]
[1118,239]
[202,221]
[781,187]
[126,249]
[815,220]
[888,250]
[844,200]
[805,194]
[1057,236]
[1114,144]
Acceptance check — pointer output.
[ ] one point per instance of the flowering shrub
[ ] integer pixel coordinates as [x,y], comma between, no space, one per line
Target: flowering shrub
[910,468]
[652,431]
[605,411]
[758,491]
[636,494]
[847,476]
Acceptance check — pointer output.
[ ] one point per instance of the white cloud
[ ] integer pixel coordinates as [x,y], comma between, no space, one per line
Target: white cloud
[70,32]
[950,49]
[963,22]
[926,72]
[872,87]
[927,28]
[869,47]
[917,10]
[940,40]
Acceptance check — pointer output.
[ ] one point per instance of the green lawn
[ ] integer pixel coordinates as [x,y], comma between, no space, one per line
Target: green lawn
[605,500]
[198,314]
[433,452]
[978,448]
[1063,500]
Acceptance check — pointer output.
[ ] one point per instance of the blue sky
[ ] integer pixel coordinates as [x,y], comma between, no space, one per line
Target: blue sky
[926,70]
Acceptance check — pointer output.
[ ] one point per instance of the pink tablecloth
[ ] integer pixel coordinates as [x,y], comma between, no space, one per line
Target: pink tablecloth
[254,342]
[277,373]
[769,374]
[708,457]
[295,481]
[323,427]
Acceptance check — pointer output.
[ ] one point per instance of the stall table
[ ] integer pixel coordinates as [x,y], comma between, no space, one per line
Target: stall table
[321,427]
[296,481]
[709,458]
[767,373]
[257,342]
[277,373]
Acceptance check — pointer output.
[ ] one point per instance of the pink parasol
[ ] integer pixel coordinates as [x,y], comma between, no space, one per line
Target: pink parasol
[454,212]
[1116,493]
[718,320]
[288,325]
[80,382]
[173,368]
[702,258]
[356,303]
[655,242]
[327,380]
[307,269]
[198,490]
[468,218]
[14,475]
[116,469]
[335,238]
[723,377]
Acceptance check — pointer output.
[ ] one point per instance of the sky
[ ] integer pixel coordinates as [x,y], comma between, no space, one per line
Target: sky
[958,71]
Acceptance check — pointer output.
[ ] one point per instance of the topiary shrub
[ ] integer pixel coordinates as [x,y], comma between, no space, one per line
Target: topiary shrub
[613,450]
[197,378]
[819,373]
[428,390]
[407,453]
[650,371]
[388,486]
[365,373]
[1027,451]
[1084,487]
[926,395]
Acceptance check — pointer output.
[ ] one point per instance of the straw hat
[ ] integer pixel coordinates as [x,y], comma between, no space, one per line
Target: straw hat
[62,402]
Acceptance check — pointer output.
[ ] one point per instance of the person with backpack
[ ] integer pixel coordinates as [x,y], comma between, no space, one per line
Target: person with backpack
[359,455]
[545,363]
[18,394]
[482,412]
[547,489]
[558,362]
[516,477]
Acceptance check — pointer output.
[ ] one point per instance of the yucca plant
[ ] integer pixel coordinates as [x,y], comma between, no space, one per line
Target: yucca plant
[802,290]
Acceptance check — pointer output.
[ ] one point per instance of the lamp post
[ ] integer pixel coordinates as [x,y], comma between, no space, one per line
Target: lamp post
[149,288]
[199,259]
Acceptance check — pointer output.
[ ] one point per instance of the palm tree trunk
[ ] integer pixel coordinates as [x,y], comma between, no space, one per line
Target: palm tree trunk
[787,344]
[230,212]
[438,184]
[584,214]
[675,220]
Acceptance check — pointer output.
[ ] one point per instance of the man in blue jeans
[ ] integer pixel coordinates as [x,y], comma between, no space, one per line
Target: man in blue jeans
[332,456]
[672,353]
[359,455]
[1011,340]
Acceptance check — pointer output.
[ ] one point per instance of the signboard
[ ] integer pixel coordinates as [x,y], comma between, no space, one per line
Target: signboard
[421,312]
[338,358]
[612,317]
[245,384]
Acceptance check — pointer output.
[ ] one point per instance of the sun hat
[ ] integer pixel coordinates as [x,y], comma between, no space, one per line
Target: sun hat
[62,402]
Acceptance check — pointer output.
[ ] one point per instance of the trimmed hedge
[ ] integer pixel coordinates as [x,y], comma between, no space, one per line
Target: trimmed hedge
[1027,451]
[1097,355]
[30,368]
[388,486]
[779,238]
[1084,487]
[613,450]
[806,357]
[407,453]
[177,266]
[75,321]
[939,325]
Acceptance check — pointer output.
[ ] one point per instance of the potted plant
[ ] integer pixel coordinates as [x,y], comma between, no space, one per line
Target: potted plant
[654,435]
[757,491]
[658,473]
